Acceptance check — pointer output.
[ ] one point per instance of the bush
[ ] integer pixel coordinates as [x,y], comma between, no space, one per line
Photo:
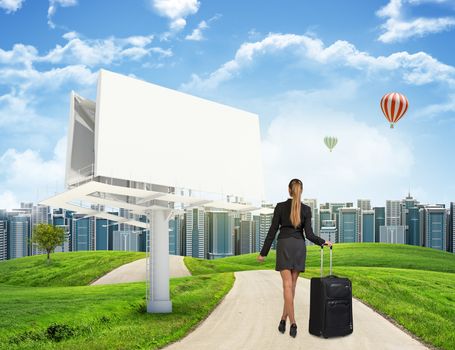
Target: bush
[57,332]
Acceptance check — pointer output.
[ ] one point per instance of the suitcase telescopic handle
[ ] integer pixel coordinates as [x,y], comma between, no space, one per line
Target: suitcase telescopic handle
[322,259]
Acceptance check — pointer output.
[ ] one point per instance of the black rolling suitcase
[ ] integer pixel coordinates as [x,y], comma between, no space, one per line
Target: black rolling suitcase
[330,304]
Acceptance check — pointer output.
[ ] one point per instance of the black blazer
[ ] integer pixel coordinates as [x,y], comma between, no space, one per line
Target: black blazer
[282,220]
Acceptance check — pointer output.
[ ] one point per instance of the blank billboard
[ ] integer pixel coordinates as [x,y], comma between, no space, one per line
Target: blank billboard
[148,133]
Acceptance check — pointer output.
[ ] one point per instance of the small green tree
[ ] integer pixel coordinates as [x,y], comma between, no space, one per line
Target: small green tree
[48,237]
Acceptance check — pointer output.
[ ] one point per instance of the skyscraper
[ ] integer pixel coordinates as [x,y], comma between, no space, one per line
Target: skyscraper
[393,213]
[18,235]
[408,205]
[83,233]
[325,214]
[60,219]
[102,233]
[40,215]
[392,234]
[362,204]
[3,240]
[452,228]
[173,236]
[263,219]
[196,233]
[220,226]
[367,225]
[447,233]
[334,209]
[379,220]
[126,240]
[413,233]
[313,204]
[328,231]
[246,234]
[348,225]
[435,227]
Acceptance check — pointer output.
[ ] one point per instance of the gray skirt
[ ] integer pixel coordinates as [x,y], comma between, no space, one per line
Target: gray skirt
[290,254]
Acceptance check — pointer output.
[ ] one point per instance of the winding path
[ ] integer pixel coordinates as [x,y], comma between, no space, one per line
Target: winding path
[135,271]
[248,317]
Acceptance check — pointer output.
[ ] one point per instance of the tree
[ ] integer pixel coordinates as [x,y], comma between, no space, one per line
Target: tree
[48,237]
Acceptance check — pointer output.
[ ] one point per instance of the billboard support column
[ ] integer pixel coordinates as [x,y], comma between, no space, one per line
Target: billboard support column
[159,298]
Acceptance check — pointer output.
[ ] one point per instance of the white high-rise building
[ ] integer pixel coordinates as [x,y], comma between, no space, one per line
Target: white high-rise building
[40,215]
[364,204]
[196,237]
[262,219]
[329,231]
[313,204]
[393,213]
[392,234]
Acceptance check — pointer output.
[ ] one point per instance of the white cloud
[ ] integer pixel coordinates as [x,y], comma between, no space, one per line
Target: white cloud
[196,34]
[396,28]
[376,162]
[419,68]
[176,11]
[26,174]
[435,110]
[90,52]
[19,54]
[53,4]
[177,24]
[30,78]
[11,6]
[94,52]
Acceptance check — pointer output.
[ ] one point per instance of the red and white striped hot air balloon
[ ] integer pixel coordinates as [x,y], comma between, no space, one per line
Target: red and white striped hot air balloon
[394,105]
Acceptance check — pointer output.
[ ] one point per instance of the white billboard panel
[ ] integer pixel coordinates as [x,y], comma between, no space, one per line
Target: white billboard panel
[148,133]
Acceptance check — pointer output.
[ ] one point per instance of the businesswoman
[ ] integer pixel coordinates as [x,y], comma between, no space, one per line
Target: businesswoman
[291,217]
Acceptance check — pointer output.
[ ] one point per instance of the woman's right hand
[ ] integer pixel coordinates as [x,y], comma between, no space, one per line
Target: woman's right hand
[260,258]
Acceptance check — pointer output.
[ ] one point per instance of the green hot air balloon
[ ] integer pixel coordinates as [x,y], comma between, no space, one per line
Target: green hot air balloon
[330,142]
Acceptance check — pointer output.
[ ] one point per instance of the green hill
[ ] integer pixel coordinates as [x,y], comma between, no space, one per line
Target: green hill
[65,269]
[50,306]
[104,317]
[345,254]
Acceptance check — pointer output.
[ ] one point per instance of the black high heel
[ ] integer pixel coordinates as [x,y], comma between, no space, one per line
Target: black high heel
[293,330]
[282,326]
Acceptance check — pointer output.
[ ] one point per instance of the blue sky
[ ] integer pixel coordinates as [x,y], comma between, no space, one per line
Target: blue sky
[307,68]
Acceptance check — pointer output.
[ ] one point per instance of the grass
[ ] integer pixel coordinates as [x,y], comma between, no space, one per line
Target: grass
[104,317]
[48,307]
[414,286]
[346,254]
[65,269]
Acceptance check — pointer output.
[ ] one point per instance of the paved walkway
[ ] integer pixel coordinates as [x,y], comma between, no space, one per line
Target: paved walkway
[248,317]
[135,271]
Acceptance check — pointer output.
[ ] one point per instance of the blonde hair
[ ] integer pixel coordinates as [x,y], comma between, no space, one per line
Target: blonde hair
[295,190]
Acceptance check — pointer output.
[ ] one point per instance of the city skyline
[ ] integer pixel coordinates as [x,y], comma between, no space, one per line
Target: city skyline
[210,233]
[298,66]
